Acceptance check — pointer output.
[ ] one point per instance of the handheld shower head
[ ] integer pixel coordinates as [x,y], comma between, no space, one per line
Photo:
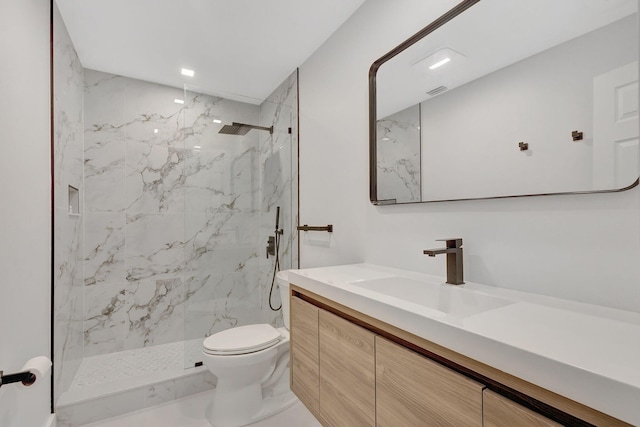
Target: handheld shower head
[236,128]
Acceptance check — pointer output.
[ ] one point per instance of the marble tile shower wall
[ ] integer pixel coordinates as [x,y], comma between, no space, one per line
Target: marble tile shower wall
[222,217]
[171,215]
[279,185]
[68,243]
[399,156]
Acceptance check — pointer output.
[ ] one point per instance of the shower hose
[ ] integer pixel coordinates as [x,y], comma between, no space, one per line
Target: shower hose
[276,268]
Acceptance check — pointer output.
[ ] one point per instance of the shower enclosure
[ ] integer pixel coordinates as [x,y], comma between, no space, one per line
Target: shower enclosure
[160,230]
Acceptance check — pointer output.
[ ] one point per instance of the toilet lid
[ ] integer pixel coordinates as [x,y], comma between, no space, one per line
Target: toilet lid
[242,339]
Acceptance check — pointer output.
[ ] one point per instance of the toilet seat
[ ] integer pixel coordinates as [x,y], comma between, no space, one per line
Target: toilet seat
[242,340]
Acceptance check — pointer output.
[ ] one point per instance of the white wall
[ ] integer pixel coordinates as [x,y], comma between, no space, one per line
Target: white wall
[334,123]
[25,252]
[507,106]
[584,248]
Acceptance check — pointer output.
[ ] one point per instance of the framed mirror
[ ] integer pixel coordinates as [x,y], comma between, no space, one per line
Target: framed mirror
[499,98]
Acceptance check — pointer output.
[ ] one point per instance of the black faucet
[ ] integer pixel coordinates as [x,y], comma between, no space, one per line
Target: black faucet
[454,259]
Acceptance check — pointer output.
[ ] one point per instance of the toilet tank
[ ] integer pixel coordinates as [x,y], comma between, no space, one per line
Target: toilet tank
[282,278]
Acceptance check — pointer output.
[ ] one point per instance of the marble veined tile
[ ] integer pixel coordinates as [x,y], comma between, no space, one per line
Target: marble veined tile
[208,231]
[68,158]
[206,180]
[67,169]
[104,100]
[222,288]
[205,115]
[154,312]
[244,183]
[104,141]
[68,115]
[280,111]
[69,250]
[276,182]
[67,329]
[112,384]
[155,178]
[104,320]
[180,387]
[219,301]
[104,171]
[399,156]
[68,298]
[221,177]
[221,170]
[155,246]
[151,114]
[104,240]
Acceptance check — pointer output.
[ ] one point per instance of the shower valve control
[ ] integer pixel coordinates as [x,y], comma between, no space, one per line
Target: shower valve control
[271,246]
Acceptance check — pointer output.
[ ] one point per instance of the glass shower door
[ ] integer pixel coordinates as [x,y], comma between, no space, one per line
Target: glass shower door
[221,220]
[234,187]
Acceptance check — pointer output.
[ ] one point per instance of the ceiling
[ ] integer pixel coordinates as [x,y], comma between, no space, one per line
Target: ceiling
[489,36]
[239,49]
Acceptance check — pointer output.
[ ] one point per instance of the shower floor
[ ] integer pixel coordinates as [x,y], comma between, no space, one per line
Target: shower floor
[125,370]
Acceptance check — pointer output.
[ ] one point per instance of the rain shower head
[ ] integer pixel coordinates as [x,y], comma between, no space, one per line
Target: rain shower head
[241,129]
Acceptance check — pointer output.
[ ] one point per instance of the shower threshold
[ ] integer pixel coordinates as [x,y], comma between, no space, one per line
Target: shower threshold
[117,383]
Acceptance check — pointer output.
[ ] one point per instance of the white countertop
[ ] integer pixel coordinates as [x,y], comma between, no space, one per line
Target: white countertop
[588,353]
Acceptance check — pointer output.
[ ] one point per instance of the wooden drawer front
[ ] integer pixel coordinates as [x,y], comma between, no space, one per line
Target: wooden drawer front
[415,391]
[502,412]
[347,373]
[304,353]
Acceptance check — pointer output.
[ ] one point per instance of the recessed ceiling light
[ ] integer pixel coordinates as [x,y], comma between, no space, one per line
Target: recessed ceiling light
[155,131]
[437,59]
[386,139]
[217,121]
[439,63]
[187,72]
[196,146]
[178,101]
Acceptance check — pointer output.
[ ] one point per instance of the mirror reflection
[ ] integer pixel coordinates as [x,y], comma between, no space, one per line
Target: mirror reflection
[504,101]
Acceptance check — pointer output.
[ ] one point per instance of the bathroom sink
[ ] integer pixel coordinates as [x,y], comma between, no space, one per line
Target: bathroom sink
[450,300]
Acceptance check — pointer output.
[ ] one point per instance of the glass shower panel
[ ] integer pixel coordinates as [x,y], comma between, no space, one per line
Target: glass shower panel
[234,185]
[277,193]
[221,181]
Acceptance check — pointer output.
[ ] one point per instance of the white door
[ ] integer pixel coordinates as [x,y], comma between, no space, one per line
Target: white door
[616,153]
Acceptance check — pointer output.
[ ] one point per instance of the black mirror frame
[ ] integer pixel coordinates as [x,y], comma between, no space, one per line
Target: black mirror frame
[373,156]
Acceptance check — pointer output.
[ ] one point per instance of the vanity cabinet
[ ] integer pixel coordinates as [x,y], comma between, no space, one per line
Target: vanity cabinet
[305,368]
[347,373]
[333,366]
[352,370]
[349,376]
[415,391]
[502,412]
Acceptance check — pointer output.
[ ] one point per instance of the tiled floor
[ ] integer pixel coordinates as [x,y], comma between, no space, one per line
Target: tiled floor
[189,412]
[114,367]
[123,371]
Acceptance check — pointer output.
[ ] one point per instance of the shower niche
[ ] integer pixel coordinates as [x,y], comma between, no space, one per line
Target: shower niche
[74,201]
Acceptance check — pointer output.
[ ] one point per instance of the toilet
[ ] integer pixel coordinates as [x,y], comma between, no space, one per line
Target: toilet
[251,364]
